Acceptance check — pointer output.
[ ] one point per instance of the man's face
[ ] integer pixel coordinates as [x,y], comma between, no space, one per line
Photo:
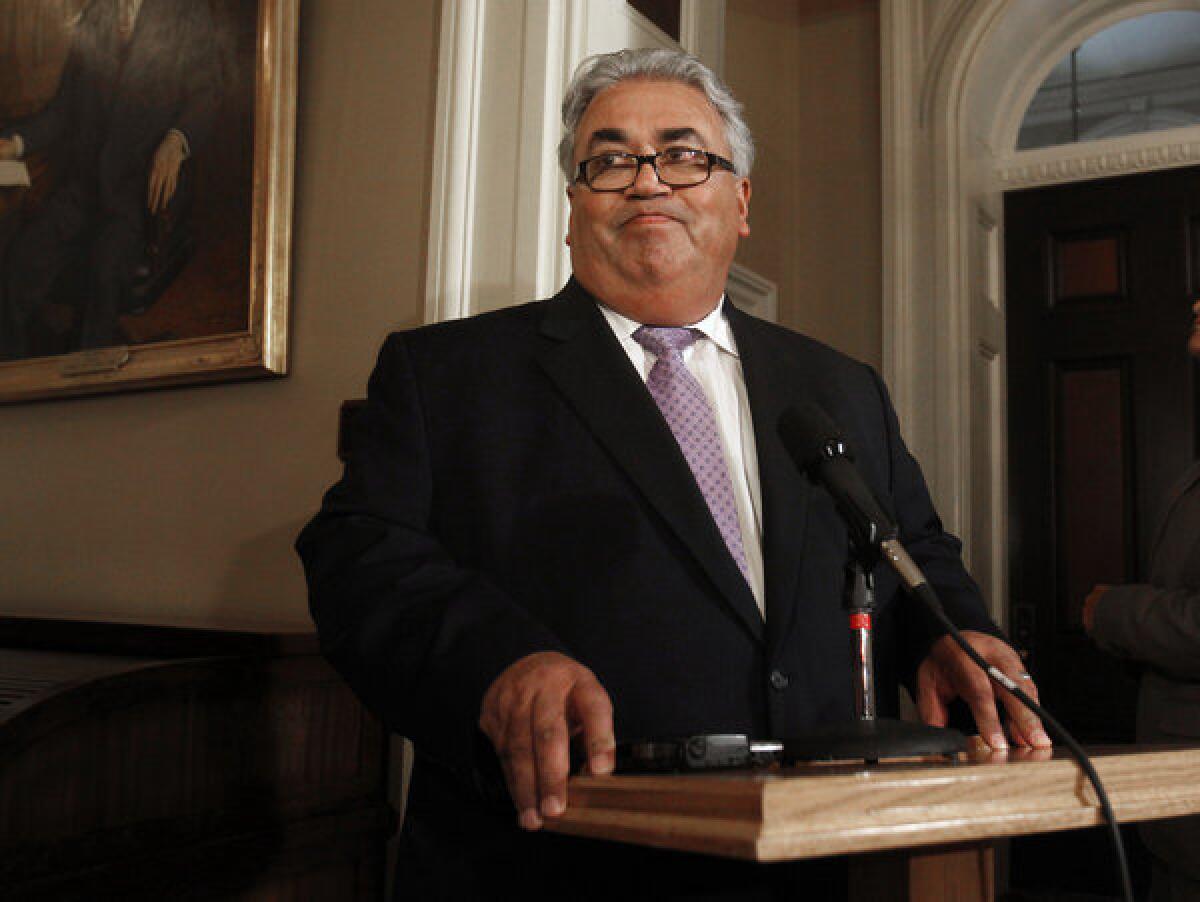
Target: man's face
[654,253]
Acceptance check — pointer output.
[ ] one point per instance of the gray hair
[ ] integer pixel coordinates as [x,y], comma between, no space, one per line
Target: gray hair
[602,71]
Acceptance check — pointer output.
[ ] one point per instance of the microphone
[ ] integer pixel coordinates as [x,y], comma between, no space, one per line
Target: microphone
[818,449]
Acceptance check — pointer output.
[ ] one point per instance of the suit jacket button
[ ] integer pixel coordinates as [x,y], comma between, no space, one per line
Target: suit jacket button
[779,680]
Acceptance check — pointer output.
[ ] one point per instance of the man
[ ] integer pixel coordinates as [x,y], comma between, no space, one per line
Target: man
[530,543]
[1158,624]
[138,95]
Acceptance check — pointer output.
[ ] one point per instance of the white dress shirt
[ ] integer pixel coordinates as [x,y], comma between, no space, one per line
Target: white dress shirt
[714,361]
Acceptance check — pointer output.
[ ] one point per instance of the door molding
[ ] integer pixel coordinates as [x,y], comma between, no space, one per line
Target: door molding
[956,77]
[455,141]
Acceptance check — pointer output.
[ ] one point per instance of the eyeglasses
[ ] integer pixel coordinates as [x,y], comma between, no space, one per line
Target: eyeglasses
[678,167]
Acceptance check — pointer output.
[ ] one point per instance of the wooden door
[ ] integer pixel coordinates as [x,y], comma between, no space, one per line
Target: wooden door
[1102,418]
[1102,413]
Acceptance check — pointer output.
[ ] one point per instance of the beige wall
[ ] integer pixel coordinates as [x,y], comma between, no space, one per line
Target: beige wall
[808,74]
[182,505]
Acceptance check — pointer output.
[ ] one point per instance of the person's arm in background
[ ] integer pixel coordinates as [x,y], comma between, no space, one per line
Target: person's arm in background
[1154,625]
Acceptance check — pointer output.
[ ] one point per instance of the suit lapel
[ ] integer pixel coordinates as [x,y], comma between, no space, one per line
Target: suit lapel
[588,366]
[771,387]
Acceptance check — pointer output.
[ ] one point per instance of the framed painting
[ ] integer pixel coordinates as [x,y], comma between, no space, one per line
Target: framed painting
[146,154]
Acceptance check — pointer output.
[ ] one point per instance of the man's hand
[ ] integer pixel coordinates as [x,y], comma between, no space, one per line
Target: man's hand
[530,713]
[8,149]
[948,674]
[164,172]
[1089,605]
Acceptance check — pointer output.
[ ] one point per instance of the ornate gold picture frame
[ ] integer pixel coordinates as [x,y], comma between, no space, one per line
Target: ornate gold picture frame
[146,168]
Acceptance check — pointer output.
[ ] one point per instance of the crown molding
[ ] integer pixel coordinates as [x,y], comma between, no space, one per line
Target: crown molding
[1080,162]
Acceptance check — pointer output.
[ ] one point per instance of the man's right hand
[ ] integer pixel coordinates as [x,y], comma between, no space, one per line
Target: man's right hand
[8,149]
[530,712]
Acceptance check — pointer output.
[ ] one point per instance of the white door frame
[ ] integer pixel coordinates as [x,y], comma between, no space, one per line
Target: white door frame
[957,76]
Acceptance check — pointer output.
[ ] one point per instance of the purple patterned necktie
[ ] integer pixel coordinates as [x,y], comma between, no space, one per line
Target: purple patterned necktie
[685,408]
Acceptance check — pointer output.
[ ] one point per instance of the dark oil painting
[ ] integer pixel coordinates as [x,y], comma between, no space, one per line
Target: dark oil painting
[134,120]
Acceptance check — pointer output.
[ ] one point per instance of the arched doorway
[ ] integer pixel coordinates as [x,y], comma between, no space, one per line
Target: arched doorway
[957,79]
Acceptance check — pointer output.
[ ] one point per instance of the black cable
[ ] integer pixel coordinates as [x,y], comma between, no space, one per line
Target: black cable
[925,593]
[818,449]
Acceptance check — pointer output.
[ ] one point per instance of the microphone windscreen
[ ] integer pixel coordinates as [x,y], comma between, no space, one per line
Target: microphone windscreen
[806,430]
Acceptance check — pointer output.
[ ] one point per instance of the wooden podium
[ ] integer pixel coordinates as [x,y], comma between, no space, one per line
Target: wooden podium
[924,829]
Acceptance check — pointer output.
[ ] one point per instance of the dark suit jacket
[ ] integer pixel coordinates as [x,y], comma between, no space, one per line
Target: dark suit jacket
[513,488]
[1158,624]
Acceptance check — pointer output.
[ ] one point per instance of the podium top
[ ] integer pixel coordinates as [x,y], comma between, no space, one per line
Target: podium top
[814,810]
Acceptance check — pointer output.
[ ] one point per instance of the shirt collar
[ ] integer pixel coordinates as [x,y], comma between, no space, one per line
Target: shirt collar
[714,327]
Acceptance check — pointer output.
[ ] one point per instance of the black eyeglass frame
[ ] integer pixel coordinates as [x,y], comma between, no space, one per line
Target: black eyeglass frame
[714,161]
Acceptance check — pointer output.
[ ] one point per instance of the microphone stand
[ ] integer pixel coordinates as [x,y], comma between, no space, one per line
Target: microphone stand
[859,601]
[868,737]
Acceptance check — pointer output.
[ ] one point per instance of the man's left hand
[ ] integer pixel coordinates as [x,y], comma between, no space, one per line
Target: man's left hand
[164,171]
[948,673]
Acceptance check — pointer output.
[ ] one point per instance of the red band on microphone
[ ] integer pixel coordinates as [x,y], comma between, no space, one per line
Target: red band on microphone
[860,621]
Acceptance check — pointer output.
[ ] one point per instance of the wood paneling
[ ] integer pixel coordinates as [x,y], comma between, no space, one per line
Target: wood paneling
[1089,268]
[224,765]
[1093,521]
